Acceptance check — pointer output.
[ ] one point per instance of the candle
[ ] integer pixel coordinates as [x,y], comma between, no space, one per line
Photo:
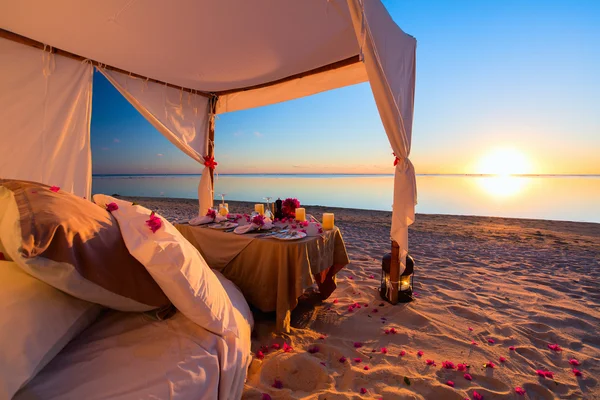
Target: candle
[327,220]
[259,208]
[224,209]
[300,214]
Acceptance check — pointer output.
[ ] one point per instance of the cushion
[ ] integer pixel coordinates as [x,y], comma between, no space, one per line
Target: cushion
[75,246]
[176,265]
[4,201]
[36,322]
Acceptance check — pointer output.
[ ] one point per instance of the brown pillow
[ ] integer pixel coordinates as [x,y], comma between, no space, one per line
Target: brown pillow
[75,246]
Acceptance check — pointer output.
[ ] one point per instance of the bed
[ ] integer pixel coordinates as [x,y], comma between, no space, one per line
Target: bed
[131,356]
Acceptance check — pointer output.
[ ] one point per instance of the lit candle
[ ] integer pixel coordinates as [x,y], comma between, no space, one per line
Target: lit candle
[259,208]
[224,209]
[327,220]
[300,214]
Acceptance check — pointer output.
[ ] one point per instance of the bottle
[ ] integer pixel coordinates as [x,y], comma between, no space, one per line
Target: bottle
[278,208]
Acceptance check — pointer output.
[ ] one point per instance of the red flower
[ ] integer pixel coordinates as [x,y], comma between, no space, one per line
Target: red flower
[211,213]
[363,391]
[54,189]
[288,207]
[260,355]
[110,207]
[430,362]
[462,367]
[287,348]
[154,223]
[258,220]
[210,162]
[420,353]
[554,347]
[396,160]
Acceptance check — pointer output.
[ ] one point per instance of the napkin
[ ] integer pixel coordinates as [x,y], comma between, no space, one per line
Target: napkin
[205,219]
[240,230]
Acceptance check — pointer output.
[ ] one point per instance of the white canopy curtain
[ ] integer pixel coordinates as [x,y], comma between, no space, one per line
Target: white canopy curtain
[45,114]
[389,57]
[182,117]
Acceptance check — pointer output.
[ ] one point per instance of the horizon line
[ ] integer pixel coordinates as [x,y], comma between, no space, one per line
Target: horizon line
[350,173]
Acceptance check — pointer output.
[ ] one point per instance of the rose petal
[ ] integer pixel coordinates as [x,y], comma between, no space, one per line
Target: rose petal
[358,345]
[420,353]
[576,372]
[468,377]
[366,368]
[471,329]
[265,396]
[384,350]
[430,362]
[491,341]
[313,350]
[448,365]
[363,391]
[520,391]
[511,348]
[450,383]
[489,364]
[402,353]
[335,301]
[277,384]
[477,396]
[374,310]
[574,362]
[357,360]
[287,348]
[461,367]
[474,343]
[342,359]
[275,346]
[260,355]
[502,359]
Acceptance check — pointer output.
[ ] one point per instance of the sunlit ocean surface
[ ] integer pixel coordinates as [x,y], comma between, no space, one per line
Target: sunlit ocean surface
[564,198]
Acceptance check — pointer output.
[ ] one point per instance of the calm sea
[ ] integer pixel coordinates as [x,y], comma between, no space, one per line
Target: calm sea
[565,198]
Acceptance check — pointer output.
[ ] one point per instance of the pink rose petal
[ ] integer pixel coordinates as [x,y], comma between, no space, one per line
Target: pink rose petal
[489,364]
[366,368]
[574,362]
[502,359]
[554,347]
[402,353]
[450,383]
[477,395]
[358,345]
[511,348]
[474,343]
[430,362]
[265,396]
[342,359]
[321,337]
[372,276]
[461,367]
[287,348]
[260,355]
[471,329]
[420,353]
[313,350]
[491,341]
[350,277]
[54,189]
[277,384]
[393,331]
[335,301]
[374,310]
[576,372]
[275,346]
[384,350]
[468,377]
[520,391]
[357,360]
[448,365]
[363,391]
[323,364]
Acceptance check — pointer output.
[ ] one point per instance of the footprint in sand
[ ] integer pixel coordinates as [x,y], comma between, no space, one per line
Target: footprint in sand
[302,372]
[467,313]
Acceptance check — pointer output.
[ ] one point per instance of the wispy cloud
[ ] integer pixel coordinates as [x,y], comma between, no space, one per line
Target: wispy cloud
[238,134]
[104,148]
[115,140]
[258,134]
[160,155]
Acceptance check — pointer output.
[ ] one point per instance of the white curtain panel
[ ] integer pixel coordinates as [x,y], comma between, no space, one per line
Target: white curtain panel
[181,117]
[389,57]
[45,114]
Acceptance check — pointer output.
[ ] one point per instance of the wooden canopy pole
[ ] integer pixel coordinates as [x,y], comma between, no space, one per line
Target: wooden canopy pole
[212,110]
[394,273]
[39,45]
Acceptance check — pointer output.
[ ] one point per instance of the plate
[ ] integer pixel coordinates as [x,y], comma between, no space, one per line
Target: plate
[223,226]
[293,235]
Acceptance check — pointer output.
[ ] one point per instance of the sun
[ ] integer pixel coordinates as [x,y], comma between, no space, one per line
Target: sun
[504,162]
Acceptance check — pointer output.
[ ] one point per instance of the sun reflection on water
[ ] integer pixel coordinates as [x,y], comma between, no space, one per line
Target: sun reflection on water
[502,186]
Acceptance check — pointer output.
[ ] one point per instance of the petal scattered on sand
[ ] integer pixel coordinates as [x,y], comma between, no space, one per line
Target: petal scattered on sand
[461,367]
[384,350]
[313,350]
[502,359]
[430,362]
[511,348]
[366,368]
[358,345]
[520,391]
[574,362]
[277,384]
[265,396]
[260,355]
[489,364]
[577,372]
[420,353]
[468,377]
[471,329]
[450,383]
[276,346]
[402,353]
[342,359]
[363,391]
[477,395]
[491,341]
[554,347]
[448,365]
[357,360]
[474,343]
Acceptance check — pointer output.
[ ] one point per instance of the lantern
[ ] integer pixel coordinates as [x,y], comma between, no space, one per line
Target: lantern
[396,291]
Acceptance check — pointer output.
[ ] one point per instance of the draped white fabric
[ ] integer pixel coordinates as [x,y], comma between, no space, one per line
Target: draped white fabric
[45,113]
[182,117]
[389,56]
[293,89]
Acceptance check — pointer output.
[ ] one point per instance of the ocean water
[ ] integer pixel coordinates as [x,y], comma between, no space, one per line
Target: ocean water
[563,198]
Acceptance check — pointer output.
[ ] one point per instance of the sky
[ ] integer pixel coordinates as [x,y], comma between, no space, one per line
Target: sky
[497,81]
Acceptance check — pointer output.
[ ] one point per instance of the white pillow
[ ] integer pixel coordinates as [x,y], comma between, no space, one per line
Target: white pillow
[176,266]
[36,322]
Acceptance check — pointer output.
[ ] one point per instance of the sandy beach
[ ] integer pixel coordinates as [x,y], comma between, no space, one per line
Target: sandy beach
[489,292]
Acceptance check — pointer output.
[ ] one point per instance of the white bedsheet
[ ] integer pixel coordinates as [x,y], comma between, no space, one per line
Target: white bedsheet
[127,356]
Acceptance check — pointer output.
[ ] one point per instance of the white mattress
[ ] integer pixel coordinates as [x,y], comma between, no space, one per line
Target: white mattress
[129,356]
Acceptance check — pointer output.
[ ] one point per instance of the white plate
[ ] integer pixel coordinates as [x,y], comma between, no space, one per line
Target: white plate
[287,236]
[223,226]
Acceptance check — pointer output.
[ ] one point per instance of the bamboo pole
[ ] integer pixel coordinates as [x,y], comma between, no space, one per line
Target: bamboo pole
[394,274]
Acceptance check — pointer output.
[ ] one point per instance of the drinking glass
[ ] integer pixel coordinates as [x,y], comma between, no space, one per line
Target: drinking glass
[268,212]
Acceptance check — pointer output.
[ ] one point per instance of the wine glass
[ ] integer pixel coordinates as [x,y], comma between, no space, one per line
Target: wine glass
[223,197]
[268,212]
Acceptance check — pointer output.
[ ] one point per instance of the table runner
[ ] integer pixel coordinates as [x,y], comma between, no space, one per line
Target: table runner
[272,273]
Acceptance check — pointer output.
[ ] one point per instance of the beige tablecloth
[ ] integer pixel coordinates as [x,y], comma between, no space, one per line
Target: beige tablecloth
[272,273]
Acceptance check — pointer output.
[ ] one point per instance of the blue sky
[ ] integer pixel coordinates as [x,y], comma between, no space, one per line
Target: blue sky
[517,75]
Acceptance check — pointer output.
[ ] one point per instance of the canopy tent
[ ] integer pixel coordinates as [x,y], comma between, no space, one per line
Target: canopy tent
[182,63]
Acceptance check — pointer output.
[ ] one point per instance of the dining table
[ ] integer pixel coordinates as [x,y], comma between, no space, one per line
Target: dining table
[271,270]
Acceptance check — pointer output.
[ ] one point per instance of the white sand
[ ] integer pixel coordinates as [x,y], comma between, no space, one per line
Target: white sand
[522,283]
